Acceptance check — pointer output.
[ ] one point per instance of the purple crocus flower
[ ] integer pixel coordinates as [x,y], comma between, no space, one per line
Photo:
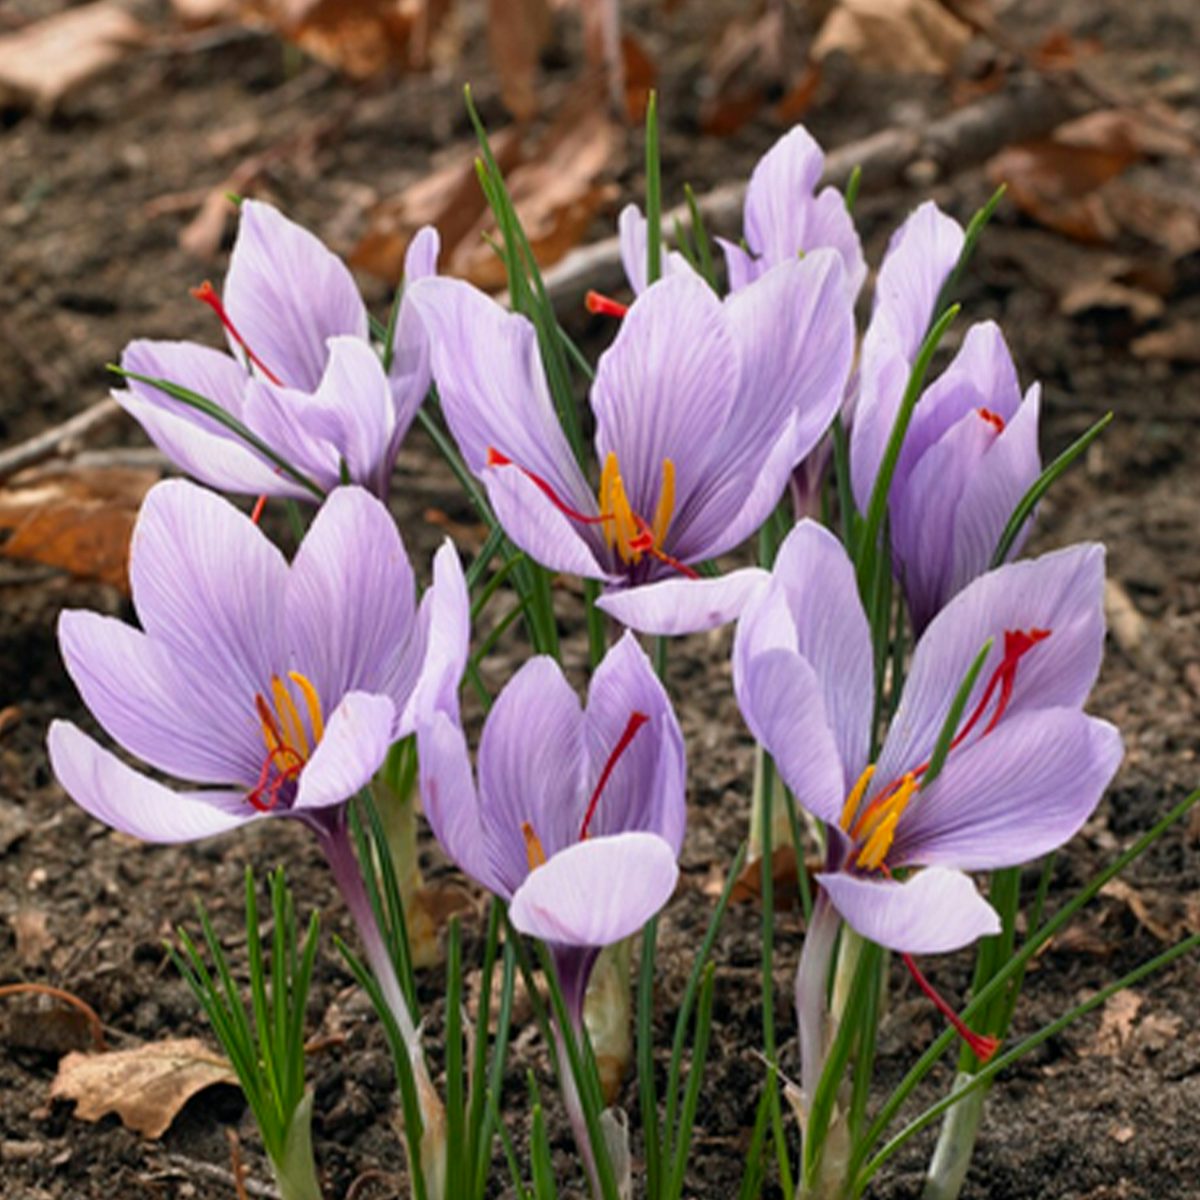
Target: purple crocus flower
[302,374]
[1026,767]
[279,688]
[702,409]
[785,217]
[970,454]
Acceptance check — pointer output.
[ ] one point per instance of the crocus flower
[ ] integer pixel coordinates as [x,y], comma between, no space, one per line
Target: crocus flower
[702,409]
[1026,766]
[279,688]
[302,375]
[970,454]
[785,217]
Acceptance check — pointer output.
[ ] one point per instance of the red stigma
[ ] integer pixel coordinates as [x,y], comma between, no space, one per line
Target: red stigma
[604,306]
[636,721]
[982,1046]
[264,795]
[643,543]
[993,419]
[257,511]
[207,294]
[496,459]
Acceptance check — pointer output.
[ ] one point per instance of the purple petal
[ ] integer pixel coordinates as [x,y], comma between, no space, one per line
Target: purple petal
[411,372]
[539,528]
[169,709]
[358,735]
[420,259]
[1012,796]
[287,295]
[531,768]
[208,372]
[646,787]
[631,228]
[830,632]
[741,267]
[125,800]
[934,912]
[449,799]
[571,900]
[665,389]
[1061,592]
[445,622]
[675,606]
[493,389]
[207,582]
[349,607]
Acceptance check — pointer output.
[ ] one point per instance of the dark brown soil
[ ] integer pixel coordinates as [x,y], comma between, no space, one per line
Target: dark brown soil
[1098,1113]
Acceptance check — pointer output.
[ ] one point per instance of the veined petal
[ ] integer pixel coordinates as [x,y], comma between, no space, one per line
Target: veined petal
[280,418]
[665,389]
[201,369]
[534,523]
[571,900]
[646,788]
[349,604]
[358,735]
[742,268]
[676,606]
[934,912]
[420,259]
[1062,592]
[1013,796]
[173,712]
[287,295]
[631,229]
[411,371]
[208,582]
[492,386]
[446,625]
[1008,471]
[449,799]
[125,800]
[531,768]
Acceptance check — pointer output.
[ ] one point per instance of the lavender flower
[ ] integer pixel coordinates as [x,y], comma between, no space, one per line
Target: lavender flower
[1026,767]
[302,374]
[785,217]
[702,409]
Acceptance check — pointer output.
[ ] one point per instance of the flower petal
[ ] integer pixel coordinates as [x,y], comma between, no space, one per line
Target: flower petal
[125,800]
[420,259]
[631,229]
[349,607]
[287,295]
[411,371]
[665,389]
[531,768]
[201,369]
[934,912]
[358,735]
[646,788]
[161,704]
[1062,592]
[492,386]
[571,900]
[446,637]
[207,582]
[675,606]
[1012,796]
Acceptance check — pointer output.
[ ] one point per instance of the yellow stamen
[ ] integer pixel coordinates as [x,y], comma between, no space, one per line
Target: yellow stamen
[312,702]
[608,477]
[855,798]
[666,503]
[289,717]
[623,527]
[879,843]
[534,852]
[883,805]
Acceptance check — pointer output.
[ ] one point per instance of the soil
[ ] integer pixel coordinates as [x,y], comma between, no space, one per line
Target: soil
[1105,1111]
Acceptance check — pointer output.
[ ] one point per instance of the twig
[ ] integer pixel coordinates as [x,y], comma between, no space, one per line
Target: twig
[180,1164]
[95,1025]
[59,439]
[236,1167]
[1029,108]
[368,1177]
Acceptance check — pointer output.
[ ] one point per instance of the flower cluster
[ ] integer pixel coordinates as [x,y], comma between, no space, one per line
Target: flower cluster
[283,688]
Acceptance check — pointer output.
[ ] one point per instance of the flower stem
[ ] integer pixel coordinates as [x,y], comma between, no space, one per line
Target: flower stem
[956,1143]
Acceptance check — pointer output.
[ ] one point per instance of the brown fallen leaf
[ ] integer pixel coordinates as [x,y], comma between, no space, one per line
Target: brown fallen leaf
[146,1087]
[911,37]
[1107,295]
[197,14]
[746,66]
[31,928]
[517,32]
[1167,916]
[450,199]
[1116,1023]
[1178,342]
[79,519]
[785,878]
[42,64]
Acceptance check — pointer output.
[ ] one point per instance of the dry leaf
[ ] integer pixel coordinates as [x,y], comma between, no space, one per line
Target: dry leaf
[1116,1022]
[31,928]
[639,77]
[1125,623]
[1152,131]
[450,199]
[517,31]
[146,1087]
[43,63]
[1179,342]
[786,880]
[557,192]
[196,14]
[917,37]
[1167,916]
[79,519]
[746,66]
